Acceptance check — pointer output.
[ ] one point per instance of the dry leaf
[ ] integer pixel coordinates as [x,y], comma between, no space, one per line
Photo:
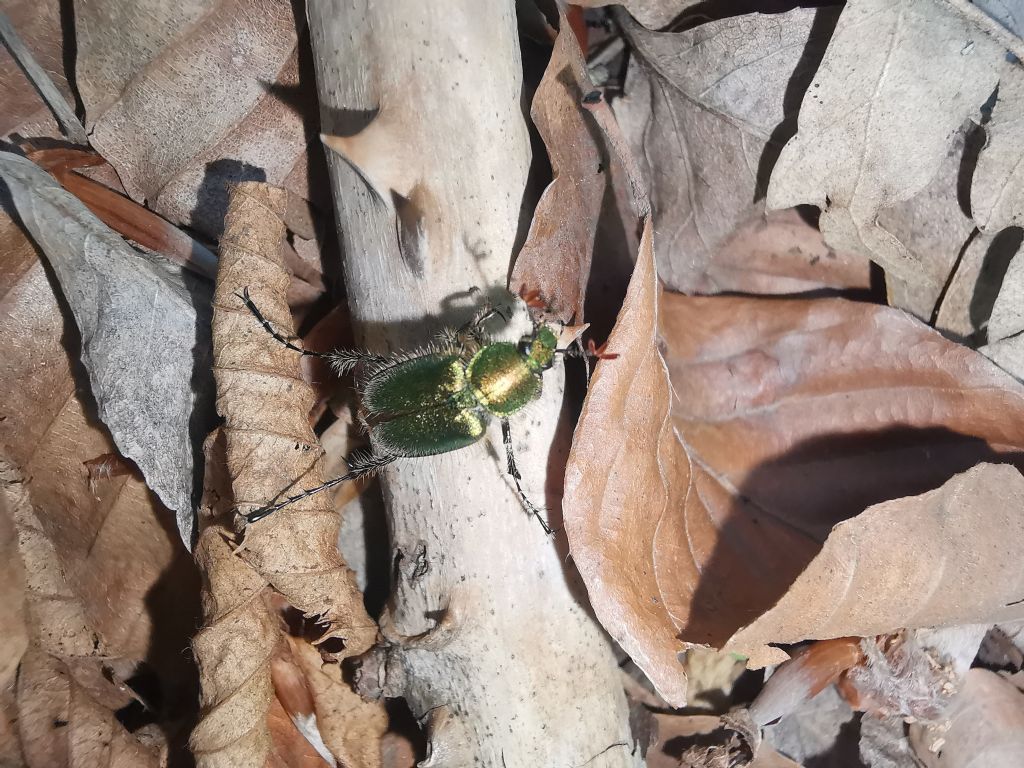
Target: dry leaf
[144,328]
[556,256]
[704,741]
[291,748]
[38,24]
[997,189]
[985,727]
[184,99]
[271,449]
[653,14]
[933,223]
[787,417]
[938,559]
[914,71]
[719,102]
[123,215]
[780,253]
[804,676]
[351,728]
[108,583]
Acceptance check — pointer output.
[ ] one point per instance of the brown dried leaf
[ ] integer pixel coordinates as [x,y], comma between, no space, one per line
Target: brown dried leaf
[238,637]
[185,98]
[556,256]
[351,727]
[38,24]
[786,417]
[705,741]
[108,583]
[271,448]
[721,95]
[938,559]
[780,253]
[123,215]
[291,749]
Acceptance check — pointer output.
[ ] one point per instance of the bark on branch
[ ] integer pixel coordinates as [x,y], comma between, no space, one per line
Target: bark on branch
[486,639]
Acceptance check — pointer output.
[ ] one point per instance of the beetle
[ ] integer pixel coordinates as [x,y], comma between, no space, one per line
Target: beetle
[439,398]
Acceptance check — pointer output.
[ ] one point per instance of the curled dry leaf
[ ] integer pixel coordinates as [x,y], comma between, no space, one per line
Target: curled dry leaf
[852,163]
[144,328]
[271,448]
[693,502]
[558,250]
[351,727]
[184,99]
[705,741]
[804,676]
[985,726]
[108,583]
[238,637]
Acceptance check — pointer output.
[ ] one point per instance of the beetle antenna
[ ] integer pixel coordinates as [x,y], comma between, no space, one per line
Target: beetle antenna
[251,305]
[592,351]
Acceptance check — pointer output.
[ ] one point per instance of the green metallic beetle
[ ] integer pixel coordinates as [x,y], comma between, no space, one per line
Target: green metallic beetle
[437,399]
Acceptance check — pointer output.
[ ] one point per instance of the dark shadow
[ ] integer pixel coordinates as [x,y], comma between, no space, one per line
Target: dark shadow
[825,20]
[536,56]
[786,507]
[169,680]
[715,10]
[997,260]
[69,57]
[845,751]
[974,142]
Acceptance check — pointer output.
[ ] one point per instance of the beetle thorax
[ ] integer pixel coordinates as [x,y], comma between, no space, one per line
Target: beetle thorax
[502,380]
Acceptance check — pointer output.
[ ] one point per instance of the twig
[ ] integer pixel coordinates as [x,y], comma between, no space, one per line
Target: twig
[41,81]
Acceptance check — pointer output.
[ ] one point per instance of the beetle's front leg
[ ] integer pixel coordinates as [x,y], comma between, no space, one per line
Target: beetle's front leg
[513,470]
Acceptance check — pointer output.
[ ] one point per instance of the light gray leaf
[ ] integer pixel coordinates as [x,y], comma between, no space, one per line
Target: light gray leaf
[1009,13]
[897,81]
[653,14]
[718,95]
[145,334]
[997,191]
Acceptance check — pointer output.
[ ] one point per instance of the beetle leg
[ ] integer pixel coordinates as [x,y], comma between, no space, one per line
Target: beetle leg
[344,360]
[341,360]
[362,464]
[251,305]
[513,470]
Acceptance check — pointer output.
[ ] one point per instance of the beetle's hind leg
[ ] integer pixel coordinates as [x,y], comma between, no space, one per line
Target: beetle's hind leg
[513,470]
[361,464]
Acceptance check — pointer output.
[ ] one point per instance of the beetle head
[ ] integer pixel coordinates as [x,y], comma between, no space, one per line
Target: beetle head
[539,348]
